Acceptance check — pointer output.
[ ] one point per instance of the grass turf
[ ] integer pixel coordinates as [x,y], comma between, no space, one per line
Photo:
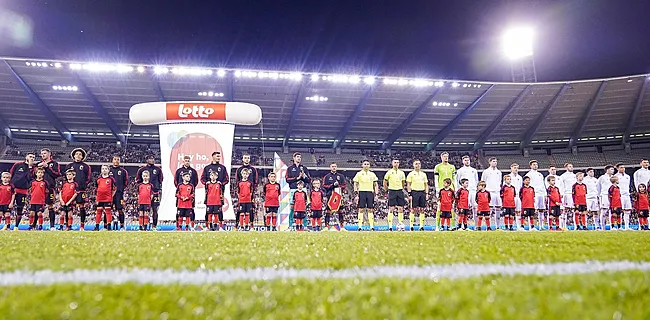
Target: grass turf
[594,296]
[184,250]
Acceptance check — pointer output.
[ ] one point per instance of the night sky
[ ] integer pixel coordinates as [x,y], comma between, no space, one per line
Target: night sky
[576,39]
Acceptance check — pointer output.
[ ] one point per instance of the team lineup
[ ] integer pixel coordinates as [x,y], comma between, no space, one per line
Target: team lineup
[512,201]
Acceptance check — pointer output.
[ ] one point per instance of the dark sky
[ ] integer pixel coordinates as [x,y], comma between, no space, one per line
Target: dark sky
[447,39]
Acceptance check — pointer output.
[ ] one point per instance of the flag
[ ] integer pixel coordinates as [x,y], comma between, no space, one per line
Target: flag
[280,169]
[335,201]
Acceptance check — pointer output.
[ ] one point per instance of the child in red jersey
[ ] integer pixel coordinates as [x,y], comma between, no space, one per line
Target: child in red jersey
[615,203]
[446,204]
[508,196]
[316,198]
[7,196]
[483,199]
[579,192]
[642,203]
[38,193]
[67,196]
[213,202]
[300,204]
[272,202]
[145,194]
[462,204]
[106,189]
[185,202]
[554,203]
[245,196]
[527,196]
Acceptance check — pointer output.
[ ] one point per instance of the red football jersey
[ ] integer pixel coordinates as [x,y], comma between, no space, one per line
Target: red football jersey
[245,191]
[300,201]
[483,199]
[213,194]
[527,196]
[105,188]
[316,198]
[554,198]
[579,194]
[144,193]
[508,193]
[642,201]
[6,192]
[272,195]
[615,197]
[68,190]
[446,198]
[38,192]
[184,191]
[462,198]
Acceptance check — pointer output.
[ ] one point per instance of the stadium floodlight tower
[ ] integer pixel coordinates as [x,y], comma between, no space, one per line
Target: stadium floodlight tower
[199,130]
[518,48]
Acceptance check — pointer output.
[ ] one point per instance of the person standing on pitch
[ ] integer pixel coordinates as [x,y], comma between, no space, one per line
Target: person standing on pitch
[537,182]
[333,182]
[295,173]
[471,175]
[52,172]
[186,168]
[21,180]
[567,180]
[626,197]
[156,179]
[121,177]
[417,186]
[604,182]
[642,175]
[442,171]
[592,196]
[394,181]
[365,189]
[493,178]
[517,181]
[82,177]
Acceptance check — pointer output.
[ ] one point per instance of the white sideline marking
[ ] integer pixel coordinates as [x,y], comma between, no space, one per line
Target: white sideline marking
[202,276]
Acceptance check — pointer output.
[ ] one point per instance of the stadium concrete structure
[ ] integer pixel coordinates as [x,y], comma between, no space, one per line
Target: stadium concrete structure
[86,101]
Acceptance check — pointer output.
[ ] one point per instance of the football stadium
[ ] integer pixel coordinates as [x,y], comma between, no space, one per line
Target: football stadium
[170,191]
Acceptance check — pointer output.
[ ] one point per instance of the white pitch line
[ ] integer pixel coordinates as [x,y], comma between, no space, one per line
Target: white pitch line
[204,276]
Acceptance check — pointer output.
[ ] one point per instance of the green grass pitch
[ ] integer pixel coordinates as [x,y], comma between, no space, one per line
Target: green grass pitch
[605,295]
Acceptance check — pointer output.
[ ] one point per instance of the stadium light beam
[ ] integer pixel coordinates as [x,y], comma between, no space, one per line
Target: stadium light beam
[518,42]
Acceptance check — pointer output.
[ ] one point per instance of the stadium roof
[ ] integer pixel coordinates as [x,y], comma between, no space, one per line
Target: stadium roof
[90,102]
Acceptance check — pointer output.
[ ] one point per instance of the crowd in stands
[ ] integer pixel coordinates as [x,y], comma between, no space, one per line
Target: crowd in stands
[428,159]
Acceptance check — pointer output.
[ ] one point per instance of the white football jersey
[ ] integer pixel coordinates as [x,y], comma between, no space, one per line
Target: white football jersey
[641,176]
[603,185]
[592,187]
[516,181]
[470,174]
[624,183]
[568,180]
[492,178]
[558,183]
[537,182]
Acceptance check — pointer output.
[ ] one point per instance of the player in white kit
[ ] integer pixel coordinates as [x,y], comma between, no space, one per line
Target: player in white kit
[592,196]
[493,177]
[516,181]
[471,174]
[568,179]
[642,175]
[624,181]
[603,190]
[537,182]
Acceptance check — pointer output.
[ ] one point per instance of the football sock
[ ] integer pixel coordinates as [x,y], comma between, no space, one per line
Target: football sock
[626,217]
[360,219]
[421,219]
[400,216]
[412,217]
[390,218]
[371,218]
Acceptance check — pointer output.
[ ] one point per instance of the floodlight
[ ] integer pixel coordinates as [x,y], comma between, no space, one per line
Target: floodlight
[141,69]
[314,77]
[369,80]
[518,43]
[221,73]
[439,83]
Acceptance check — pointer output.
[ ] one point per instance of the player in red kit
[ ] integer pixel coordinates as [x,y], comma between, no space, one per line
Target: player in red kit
[68,194]
[7,197]
[508,196]
[214,202]
[446,204]
[245,195]
[615,204]
[272,202]
[316,198]
[300,203]
[554,203]
[185,202]
[145,195]
[642,202]
[527,196]
[579,192]
[462,204]
[106,189]
[38,193]
[483,199]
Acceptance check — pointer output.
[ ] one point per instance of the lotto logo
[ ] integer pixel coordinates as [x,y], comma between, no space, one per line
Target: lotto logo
[184,111]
